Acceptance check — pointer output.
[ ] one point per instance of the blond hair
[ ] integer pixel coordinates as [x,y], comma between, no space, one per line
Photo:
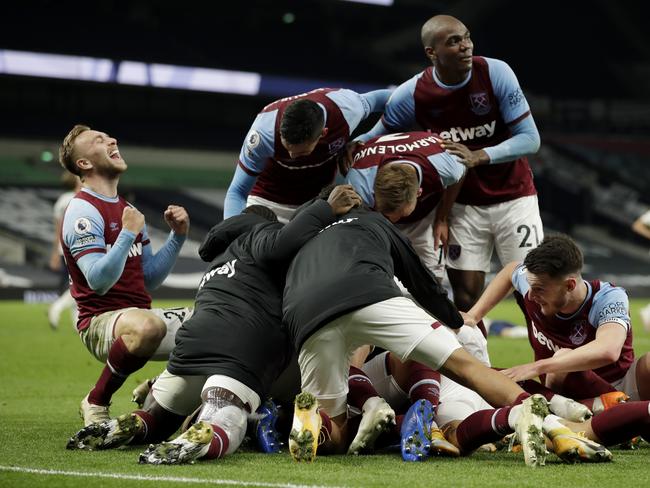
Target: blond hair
[395,186]
[66,151]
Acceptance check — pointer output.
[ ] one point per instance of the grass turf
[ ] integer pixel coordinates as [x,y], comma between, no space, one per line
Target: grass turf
[44,375]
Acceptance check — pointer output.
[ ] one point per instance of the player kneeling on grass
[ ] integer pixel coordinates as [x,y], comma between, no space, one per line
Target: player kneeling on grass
[233,348]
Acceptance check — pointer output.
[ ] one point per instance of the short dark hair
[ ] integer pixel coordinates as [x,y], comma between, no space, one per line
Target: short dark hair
[262,211]
[558,255]
[302,121]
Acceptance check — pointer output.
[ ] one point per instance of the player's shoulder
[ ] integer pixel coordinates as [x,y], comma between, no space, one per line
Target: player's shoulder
[608,292]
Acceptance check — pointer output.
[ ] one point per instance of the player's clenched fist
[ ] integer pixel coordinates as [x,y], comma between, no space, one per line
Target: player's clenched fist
[132,220]
[178,219]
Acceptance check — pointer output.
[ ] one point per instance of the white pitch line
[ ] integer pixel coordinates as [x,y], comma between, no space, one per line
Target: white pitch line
[137,477]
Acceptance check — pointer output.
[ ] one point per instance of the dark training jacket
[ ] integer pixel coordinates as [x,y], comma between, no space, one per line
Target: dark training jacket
[352,264]
[236,328]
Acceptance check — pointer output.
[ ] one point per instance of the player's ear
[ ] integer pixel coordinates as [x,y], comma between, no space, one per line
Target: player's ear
[324,132]
[83,164]
[430,53]
[571,284]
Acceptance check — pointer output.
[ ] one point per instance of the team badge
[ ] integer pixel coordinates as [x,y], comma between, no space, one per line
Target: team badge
[454,251]
[578,334]
[480,103]
[253,140]
[82,225]
[337,145]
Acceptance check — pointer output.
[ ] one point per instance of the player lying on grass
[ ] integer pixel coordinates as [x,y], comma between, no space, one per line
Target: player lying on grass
[469,422]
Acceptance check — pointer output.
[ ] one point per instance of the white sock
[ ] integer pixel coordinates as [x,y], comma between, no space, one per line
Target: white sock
[513,416]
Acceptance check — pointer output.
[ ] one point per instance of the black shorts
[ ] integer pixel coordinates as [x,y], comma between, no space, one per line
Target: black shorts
[249,351]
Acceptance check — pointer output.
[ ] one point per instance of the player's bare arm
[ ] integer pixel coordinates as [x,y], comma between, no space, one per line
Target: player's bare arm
[497,290]
[604,350]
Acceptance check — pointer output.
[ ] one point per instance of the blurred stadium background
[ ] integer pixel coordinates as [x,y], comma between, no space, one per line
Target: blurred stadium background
[179,84]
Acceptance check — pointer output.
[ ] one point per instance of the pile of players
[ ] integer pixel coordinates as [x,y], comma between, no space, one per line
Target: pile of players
[333,292]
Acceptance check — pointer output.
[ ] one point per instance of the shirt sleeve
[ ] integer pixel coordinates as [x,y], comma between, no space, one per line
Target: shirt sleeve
[524,140]
[610,304]
[449,169]
[156,267]
[399,114]
[354,107]
[512,102]
[259,145]
[519,281]
[237,193]
[363,181]
[83,229]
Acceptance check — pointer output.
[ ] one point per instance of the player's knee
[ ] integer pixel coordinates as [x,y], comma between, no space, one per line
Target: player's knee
[151,331]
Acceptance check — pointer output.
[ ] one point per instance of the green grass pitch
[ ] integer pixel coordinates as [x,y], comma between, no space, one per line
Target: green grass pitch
[44,374]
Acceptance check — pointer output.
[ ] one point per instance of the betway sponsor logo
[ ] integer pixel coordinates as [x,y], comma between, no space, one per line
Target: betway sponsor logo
[459,134]
[136,249]
[380,146]
[227,269]
[543,340]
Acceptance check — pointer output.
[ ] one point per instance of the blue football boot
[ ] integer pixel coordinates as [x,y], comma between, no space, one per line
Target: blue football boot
[268,439]
[416,444]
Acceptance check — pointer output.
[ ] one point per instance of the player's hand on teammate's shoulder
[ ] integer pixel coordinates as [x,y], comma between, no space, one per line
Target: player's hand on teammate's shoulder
[465,155]
[132,219]
[344,158]
[343,198]
[178,219]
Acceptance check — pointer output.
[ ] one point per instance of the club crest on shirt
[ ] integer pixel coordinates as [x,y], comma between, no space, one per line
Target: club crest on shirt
[337,145]
[579,332]
[480,103]
[82,225]
[454,251]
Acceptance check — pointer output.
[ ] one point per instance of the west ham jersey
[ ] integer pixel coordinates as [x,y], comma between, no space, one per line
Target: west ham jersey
[91,224]
[604,303]
[475,113]
[289,181]
[436,169]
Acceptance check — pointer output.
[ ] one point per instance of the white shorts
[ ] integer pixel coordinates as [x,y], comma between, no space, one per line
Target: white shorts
[384,383]
[456,401]
[98,336]
[512,228]
[182,394]
[475,343]
[627,384]
[283,211]
[420,234]
[396,324]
